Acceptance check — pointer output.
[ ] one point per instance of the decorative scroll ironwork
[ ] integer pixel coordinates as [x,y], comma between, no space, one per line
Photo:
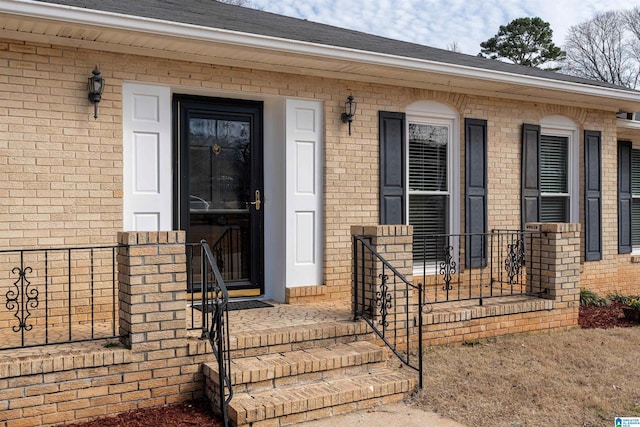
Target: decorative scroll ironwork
[515,260]
[27,295]
[383,300]
[426,307]
[379,299]
[22,299]
[447,268]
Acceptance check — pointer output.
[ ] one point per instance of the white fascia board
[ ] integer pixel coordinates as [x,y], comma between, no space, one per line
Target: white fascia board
[628,124]
[63,13]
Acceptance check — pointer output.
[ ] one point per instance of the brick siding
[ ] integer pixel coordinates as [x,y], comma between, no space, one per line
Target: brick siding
[159,366]
[61,170]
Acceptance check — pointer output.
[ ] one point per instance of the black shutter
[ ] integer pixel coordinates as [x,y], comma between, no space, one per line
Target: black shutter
[392,168]
[624,197]
[592,195]
[476,192]
[530,196]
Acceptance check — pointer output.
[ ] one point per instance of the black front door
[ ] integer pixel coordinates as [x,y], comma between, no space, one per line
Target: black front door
[219,184]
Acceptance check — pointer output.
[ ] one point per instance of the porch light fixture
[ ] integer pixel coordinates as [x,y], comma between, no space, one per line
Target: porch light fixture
[95,88]
[349,111]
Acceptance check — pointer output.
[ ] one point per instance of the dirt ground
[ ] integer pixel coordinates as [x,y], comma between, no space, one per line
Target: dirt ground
[584,377]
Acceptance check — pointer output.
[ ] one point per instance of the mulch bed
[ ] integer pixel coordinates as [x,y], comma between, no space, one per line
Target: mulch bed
[608,316]
[198,413]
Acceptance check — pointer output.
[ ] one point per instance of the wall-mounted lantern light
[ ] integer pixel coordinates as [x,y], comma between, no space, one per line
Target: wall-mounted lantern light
[349,111]
[95,88]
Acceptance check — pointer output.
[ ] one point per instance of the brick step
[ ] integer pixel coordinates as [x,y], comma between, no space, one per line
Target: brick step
[256,373]
[278,340]
[323,398]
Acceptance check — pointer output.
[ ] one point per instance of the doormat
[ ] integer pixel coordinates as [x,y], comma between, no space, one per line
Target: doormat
[239,305]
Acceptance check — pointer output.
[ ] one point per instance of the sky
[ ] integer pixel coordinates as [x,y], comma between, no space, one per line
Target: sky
[440,23]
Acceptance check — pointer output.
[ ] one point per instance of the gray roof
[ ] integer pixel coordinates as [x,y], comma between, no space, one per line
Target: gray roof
[213,14]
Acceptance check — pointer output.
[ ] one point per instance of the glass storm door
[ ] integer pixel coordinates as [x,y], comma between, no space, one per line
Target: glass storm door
[220,184]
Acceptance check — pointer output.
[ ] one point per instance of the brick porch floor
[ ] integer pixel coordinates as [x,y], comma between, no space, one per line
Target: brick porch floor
[242,322]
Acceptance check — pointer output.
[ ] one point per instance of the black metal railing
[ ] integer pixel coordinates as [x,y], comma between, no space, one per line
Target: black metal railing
[387,301]
[458,267]
[57,295]
[194,283]
[230,254]
[212,306]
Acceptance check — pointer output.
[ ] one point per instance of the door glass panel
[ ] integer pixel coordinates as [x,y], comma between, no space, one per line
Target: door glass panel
[219,187]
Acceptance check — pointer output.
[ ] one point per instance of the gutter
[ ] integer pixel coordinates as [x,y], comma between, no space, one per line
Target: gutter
[63,13]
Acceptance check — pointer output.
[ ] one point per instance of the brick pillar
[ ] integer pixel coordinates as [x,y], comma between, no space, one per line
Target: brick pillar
[152,285]
[555,262]
[395,244]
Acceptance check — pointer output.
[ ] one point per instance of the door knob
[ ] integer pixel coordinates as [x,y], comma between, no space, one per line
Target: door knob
[257,202]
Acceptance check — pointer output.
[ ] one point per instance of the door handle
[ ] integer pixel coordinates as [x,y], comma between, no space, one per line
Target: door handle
[257,202]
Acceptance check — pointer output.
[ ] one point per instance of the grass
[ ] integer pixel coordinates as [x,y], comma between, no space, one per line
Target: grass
[575,378]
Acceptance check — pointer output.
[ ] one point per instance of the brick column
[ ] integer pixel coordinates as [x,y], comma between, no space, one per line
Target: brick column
[395,244]
[152,285]
[555,262]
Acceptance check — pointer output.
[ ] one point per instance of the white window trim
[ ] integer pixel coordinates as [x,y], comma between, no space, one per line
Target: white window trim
[435,113]
[557,125]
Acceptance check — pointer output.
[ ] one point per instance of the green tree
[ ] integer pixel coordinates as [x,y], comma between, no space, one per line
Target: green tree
[524,41]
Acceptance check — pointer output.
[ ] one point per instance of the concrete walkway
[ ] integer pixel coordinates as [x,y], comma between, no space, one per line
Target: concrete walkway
[392,415]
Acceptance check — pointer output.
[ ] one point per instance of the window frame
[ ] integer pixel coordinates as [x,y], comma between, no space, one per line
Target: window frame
[560,126]
[437,114]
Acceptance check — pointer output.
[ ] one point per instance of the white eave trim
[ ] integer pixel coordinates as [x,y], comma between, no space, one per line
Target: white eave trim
[628,124]
[63,13]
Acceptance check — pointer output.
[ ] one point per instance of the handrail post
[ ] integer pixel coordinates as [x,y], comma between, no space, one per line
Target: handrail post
[420,344]
[203,291]
[355,278]
[218,333]
[383,296]
[221,364]
[364,279]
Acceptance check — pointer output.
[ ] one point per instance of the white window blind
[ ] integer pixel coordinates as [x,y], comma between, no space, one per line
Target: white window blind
[428,185]
[554,178]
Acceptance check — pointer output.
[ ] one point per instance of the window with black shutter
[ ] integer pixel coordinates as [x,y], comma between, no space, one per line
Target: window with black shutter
[628,198]
[420,176]
[550,171]
[635,199]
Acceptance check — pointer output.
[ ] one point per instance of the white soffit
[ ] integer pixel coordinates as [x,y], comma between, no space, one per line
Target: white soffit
[84,28]
[628,129]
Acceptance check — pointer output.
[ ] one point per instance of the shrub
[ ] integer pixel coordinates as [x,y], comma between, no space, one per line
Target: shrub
[618,297]
[625,299]
[588,298]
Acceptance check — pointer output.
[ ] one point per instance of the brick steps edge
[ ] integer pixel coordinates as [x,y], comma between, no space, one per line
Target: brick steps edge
[320,398]
[273,370]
